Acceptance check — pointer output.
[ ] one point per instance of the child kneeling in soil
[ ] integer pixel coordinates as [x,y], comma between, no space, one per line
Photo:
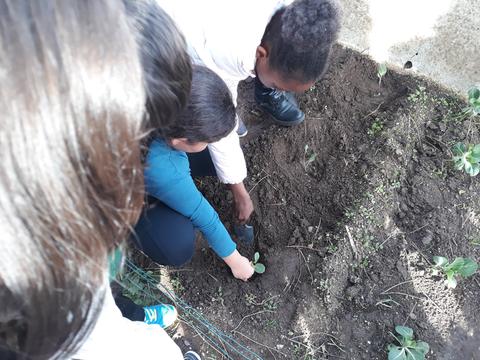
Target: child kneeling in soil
[166,230]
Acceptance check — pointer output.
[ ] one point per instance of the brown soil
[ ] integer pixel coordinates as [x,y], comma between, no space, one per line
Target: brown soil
[348,238]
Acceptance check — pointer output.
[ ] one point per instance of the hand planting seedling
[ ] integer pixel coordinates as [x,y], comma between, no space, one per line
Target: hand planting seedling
[259,267]
[467,157]
[464,267]
[381,72]
[408,349]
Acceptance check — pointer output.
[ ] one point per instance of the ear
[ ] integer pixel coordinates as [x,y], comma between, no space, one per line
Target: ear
[262,52]
[178,141]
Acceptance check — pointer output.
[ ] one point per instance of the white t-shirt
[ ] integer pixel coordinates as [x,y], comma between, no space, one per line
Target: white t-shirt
[116,337]
[223,35]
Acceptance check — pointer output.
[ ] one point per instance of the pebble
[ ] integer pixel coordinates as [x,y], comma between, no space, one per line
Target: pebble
[427,239]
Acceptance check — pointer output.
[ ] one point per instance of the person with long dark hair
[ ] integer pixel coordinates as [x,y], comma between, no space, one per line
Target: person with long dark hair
[71,185]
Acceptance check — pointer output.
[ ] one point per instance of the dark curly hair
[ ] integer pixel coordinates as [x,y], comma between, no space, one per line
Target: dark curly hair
[299,38]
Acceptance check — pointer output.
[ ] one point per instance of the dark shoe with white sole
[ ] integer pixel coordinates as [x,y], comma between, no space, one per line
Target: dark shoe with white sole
[281,105]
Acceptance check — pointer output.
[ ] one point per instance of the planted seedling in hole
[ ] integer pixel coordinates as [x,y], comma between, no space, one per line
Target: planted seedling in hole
[381,72]
[309,157]
[258,266]
[464,267]
[467,157]
[408,348]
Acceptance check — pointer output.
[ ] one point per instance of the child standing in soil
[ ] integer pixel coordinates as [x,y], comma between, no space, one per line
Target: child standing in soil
[285,45]
[166,230]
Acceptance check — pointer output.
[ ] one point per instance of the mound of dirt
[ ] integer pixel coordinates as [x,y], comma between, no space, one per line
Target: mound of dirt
[351,206]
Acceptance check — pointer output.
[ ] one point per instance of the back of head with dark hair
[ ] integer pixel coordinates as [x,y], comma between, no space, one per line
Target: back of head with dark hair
[299,38]
[209,114]
[71,104]
[165,61]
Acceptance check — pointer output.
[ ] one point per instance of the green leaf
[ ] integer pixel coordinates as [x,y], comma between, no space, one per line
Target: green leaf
[475,170]
[382,69]
[456,265]
[423,347]
[256,257]
[414,354]
[468,268]
[476,151]
[396,353]
[312,158]
[259,268]
[459,149]
[473,94]
[440,261]
[404,331]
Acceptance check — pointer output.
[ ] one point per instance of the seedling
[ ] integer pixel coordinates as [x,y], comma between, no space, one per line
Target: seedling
[473,107]
[408,348]
[309,157]
[381,72]
[464,267]
[259,267]
[467,157]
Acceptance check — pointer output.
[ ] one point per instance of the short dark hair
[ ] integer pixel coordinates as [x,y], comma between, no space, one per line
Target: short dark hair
[166,64]
[299,38]
[209,114]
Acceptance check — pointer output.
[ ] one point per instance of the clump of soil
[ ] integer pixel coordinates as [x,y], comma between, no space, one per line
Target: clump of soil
[347,226]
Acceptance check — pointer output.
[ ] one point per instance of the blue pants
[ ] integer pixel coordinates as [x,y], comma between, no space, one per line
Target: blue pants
[163,234]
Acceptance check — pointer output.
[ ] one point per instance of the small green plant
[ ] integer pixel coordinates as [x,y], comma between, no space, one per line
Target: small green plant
[408,348]
[309,157]
[467,157]
[473,107]
[259,267]
[381,72]
[464,267]
[376,128]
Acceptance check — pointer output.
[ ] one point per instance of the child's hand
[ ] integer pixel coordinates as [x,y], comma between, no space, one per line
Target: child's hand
[241,267]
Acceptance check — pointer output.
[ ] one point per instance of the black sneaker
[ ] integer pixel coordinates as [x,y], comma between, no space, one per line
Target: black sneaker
[281,105]
[191,355]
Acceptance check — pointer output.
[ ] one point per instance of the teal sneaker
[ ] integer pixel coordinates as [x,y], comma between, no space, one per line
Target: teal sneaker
[191,355]
[164,315]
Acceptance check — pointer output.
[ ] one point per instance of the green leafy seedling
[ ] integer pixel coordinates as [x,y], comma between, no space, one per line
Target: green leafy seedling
[473,101]
[408,348]
[467,157]
[381,72]
[463,267]
[309,157]
[259,267]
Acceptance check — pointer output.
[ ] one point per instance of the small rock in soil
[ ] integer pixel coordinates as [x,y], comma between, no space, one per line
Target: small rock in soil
[427,239]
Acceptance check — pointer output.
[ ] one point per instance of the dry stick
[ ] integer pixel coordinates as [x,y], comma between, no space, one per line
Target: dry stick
[373,112]
[352,244]
[338,347]
[410,314]
[416,297]
[306,264]
[247,316]
[258,182]
[260,344]
[394,286]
